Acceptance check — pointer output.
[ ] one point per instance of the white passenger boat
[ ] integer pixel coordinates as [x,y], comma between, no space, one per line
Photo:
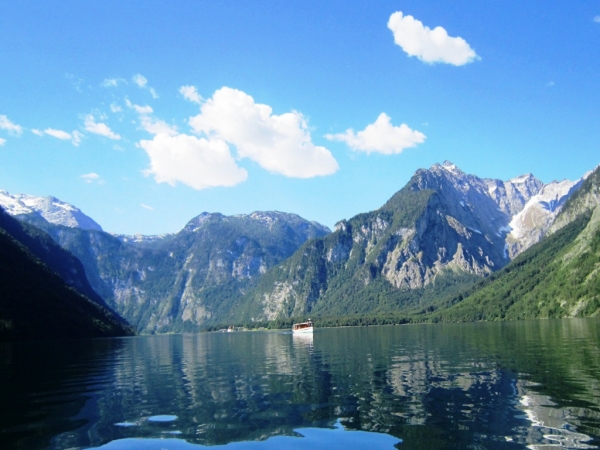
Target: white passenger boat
[303,327]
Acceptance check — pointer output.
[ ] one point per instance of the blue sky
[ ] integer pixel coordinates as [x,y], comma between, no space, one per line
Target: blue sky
[145,114]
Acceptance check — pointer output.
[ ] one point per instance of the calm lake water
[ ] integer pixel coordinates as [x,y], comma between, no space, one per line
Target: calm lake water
[462,386]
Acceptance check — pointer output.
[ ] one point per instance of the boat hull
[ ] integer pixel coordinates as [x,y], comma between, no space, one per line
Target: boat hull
[303,330]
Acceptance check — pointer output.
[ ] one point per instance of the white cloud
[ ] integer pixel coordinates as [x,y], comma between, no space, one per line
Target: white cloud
[12,128]
[140,80]
[112,82]
[146,109]
[115,107]
[151,124]
[76,137]
[280,144]
[191,94]
[149,208]
[91,178]
[142,83]
[140,109]
[155,126]
[100,128]
[597,19]
[197,162]
[2,142]
[58,134]
[430,46]
[143,109]
[380,137]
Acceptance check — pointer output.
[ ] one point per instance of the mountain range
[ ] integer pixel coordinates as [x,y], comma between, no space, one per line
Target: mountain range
[420,253]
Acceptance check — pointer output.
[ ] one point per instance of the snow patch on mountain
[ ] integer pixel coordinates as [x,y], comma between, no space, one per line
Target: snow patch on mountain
[50,208]
[536,217]
[141,239]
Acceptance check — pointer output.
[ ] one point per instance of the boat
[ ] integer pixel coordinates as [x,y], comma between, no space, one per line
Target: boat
[303,327]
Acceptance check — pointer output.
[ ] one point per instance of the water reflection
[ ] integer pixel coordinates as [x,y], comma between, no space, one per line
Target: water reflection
[311,438]
[495,385]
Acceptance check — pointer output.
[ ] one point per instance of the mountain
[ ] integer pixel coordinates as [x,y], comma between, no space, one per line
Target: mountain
[142,240]
[43,247]
[190,279]
[35,302]
[443,230]
[557,277]
[48,208]
[536,217]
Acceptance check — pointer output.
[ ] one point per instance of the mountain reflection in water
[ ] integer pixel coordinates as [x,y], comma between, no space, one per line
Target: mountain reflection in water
[485,385]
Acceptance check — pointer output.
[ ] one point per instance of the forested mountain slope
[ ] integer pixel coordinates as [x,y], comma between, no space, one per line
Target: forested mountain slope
[41,245]
[36,303]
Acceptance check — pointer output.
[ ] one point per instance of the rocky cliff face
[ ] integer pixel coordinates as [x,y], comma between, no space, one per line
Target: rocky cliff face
[584,199]
[530,224]
[558,277]
[512,195]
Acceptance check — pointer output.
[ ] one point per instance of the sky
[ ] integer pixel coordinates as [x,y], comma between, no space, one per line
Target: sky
[145,114]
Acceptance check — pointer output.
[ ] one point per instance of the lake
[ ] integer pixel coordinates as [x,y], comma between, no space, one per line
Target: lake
[530,384]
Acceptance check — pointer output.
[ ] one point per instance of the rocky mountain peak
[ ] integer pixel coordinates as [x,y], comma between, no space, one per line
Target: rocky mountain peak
[534,219]
[452,168]
[512,195]
[50,208]
[197,222]
[265,219]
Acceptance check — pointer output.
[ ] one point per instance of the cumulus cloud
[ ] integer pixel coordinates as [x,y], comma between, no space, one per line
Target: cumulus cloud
[142,83]
[380,137]
[12,128]
[2,142]
[197,162]
[191,94]
[100,128]
[91,178]
[278,143]
[430,46]
[115,107]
